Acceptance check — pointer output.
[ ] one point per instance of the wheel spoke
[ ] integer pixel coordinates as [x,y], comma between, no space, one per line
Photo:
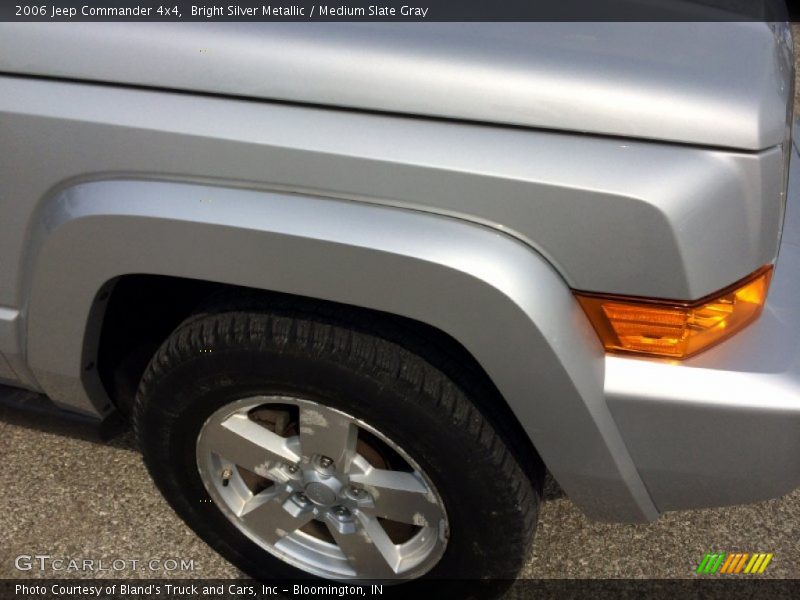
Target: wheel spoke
[400,496]
[324,432]
[368,549]
[249,445]
[273,517]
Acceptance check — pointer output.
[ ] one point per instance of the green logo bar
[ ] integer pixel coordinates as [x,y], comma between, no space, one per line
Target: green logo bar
[710,563]
[703,563]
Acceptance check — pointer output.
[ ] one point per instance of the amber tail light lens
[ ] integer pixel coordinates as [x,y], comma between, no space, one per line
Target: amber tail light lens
[674,329]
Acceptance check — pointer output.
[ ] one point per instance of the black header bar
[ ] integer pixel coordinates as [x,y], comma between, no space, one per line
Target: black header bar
[404,10]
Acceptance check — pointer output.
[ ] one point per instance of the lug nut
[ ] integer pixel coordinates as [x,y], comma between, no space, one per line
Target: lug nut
[341,512]
[356,492]
[290,468]
[324,465]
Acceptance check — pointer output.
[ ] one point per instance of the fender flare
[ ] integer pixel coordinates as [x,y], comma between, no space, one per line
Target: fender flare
[499,298]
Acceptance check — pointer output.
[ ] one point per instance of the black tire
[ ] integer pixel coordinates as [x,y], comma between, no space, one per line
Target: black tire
[223,355]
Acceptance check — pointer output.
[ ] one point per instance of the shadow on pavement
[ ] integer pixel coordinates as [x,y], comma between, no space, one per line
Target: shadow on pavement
[35,411]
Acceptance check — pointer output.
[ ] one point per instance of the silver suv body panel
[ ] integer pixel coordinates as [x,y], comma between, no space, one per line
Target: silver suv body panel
[479,230]
[713,84]
[722,427]
[614,216]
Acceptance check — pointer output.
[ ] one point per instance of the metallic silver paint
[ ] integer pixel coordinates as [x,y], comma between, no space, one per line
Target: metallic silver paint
[612,216]
[716,84]
[722,427]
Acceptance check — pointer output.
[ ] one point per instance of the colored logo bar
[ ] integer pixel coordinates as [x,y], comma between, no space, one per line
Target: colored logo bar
[734,562]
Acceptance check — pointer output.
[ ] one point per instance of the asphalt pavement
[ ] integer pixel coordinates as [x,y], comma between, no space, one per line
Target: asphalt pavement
[67,496]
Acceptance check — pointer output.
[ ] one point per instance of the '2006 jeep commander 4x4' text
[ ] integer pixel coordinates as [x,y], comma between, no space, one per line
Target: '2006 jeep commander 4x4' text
[359,285]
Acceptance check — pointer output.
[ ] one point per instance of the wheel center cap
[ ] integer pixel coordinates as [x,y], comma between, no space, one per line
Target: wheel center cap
[320,494]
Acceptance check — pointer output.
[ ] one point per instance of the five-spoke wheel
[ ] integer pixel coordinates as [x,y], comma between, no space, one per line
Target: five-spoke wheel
[321,490]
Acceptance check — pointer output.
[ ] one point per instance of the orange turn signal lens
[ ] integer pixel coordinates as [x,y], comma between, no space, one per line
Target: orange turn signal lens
[675,329]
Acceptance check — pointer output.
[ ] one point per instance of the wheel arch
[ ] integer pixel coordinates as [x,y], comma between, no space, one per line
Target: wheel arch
[142,311]
[498,298]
